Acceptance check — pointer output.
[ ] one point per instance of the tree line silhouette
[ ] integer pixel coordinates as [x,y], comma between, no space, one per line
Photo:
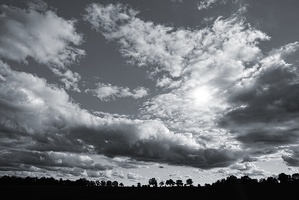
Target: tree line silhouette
[282,179]
[282,186]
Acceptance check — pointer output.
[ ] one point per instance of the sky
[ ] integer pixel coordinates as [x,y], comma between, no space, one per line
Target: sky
[130,90]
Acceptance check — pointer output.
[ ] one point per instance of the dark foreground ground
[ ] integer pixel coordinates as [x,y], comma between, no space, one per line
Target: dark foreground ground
[183,193]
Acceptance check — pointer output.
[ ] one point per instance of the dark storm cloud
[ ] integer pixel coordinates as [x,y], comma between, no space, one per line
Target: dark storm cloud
[268,103]
[47,161]
[42,117]
[292,156]
[151,141]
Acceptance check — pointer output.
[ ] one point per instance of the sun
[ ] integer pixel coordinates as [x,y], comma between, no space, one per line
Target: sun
[201,96]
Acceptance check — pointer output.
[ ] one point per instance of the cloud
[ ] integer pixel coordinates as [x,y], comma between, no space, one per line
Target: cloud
[108,115]
[39,34]
[37,116]
[217,83]
[134,176]
[205,4]
[214,83]
[129,163]
[244,169]
[118,173]
[265,102]
[69,78]
[176,175]
[178,1]
[194,68]
[107,92]
[54,164]
[49,159]
[141,41]
[291,157]
[151,141]
[28,104]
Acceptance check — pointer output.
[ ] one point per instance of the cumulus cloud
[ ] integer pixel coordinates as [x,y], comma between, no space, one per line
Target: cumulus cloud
[41,117]
[176,175]
[48,160]
[34,112]
[107,92]
[69,78]
[134,176]
[108,115]
[291,156]
[197,66]
[217,83]
[48,163]
[118,173]
[265,102]
[141,41]
[40,34]
[129,163]
[244,169]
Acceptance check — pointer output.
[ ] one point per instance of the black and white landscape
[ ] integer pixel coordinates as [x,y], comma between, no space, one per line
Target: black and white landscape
[130,90]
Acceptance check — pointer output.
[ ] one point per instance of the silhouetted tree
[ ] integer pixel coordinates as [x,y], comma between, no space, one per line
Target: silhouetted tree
[170,182]
[103,183]
[231,180]
[179,183]
[152,182]
[262,181]
[108,183]
[283,178]
[271,180]
[81,182]
[295,177]
[189,182]
[247,180]
[97,183]
[115,184]
[219,182]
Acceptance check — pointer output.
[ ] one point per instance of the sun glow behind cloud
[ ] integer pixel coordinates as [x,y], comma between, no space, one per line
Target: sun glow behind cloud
[201,96]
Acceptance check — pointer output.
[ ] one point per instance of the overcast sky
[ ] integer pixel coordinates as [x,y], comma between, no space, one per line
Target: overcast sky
[130,90]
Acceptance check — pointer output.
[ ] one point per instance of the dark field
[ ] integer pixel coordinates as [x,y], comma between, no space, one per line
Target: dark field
[78,192]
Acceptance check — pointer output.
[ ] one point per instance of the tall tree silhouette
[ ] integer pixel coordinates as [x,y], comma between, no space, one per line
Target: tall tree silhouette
[115,184]
[103,183]
[189,182]
[153,182]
